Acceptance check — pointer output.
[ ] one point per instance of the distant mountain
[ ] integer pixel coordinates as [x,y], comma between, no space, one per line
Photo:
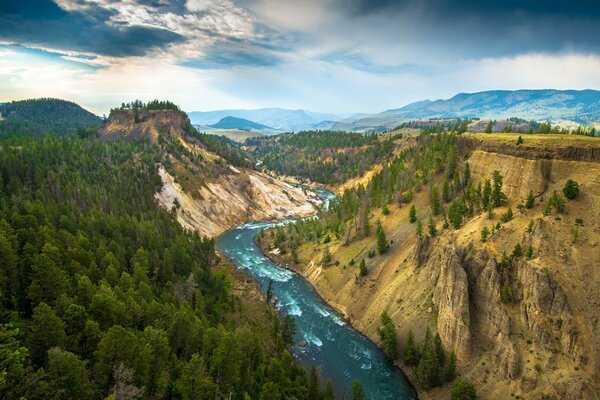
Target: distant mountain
[239,123]
[39,116]
[276,118]
[581,106]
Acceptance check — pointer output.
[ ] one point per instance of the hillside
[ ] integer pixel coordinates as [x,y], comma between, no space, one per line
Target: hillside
[323,157]
[40,116]
[521,323]
[238,123]
[207,180]
[579,106]
[103,295]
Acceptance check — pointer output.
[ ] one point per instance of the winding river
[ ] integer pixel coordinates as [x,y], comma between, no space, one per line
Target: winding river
[338,351]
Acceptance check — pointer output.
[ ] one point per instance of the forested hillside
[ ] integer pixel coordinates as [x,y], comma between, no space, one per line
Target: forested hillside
[489,240]
[40,116]
[322,156]
[103,293]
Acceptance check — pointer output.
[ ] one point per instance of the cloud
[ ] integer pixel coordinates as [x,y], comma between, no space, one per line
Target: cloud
[38,23]
[329,55]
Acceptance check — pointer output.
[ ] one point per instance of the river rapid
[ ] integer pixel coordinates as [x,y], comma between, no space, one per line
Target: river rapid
[339,352]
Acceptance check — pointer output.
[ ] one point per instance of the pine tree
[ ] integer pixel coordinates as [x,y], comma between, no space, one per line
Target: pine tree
[485,232]
[487,194]
[366,224]
[382,244]
[419,228]
[498,196]
[313,385]
[410,351]
[571,189]
[450,368]
[434,200]
[489,127]
[462,390]
[529,252]
[517,251]
[431,227]
[387,334]
[329,393]
[363,268]
[269,290]
[47,331]
[358,393]
[467,174]
[530,200]
[412,214]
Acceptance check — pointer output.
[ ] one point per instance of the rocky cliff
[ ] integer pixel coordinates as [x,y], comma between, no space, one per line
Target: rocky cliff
[207,192]
[529,329]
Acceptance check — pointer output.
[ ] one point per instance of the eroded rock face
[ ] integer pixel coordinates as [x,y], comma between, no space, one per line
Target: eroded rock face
[451,296]
[493,323]
[545,311]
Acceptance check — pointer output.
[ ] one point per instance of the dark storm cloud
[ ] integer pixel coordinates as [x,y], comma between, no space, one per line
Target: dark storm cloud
[489,28]
[42,23]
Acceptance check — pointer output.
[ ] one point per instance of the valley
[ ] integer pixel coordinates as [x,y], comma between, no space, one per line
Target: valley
[468,258]
[520,326]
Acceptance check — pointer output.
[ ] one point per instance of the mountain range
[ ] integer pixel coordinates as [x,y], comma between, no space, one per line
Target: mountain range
[277,118]
[575,106]
[580,106]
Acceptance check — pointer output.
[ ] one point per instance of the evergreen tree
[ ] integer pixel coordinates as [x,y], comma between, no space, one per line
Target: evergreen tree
[435,201]
[313,385]
[517,251]
[530,200]
[462,389]
[431,227]
[269,290]
[363,268]
[410,351]
[455,214]
[485,232]
[412,214]
[467,175]
[450,368]
[498,196]
[387,335]
[488,127]
[47,331]
[529,252]
[358,392]
[68,375]
[487,194]
[382,244]
[329,393]
[419,228]
[571,189]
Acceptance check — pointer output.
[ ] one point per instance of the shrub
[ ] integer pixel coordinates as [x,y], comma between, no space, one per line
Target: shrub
[571,189]
[462,389]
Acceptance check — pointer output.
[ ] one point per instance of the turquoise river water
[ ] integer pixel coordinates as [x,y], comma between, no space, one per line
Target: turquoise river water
[339,352]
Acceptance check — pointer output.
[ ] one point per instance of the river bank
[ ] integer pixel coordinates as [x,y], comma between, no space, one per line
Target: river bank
[338,350]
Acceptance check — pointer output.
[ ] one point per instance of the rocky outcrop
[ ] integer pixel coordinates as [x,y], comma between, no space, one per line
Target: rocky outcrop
[493,322]
[565,152]
[451,297]
[233,198]
[546,313]
[122,124]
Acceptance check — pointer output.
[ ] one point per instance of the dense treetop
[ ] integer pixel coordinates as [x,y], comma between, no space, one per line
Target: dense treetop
[322,156]
[40,116]
[103,293]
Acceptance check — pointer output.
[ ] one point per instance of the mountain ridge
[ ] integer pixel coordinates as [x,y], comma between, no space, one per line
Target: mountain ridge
[579,106]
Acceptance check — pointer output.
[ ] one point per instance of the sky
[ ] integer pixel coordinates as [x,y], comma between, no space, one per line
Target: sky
[340,56]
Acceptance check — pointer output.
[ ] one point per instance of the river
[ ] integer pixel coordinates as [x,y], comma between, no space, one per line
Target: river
[339,352]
